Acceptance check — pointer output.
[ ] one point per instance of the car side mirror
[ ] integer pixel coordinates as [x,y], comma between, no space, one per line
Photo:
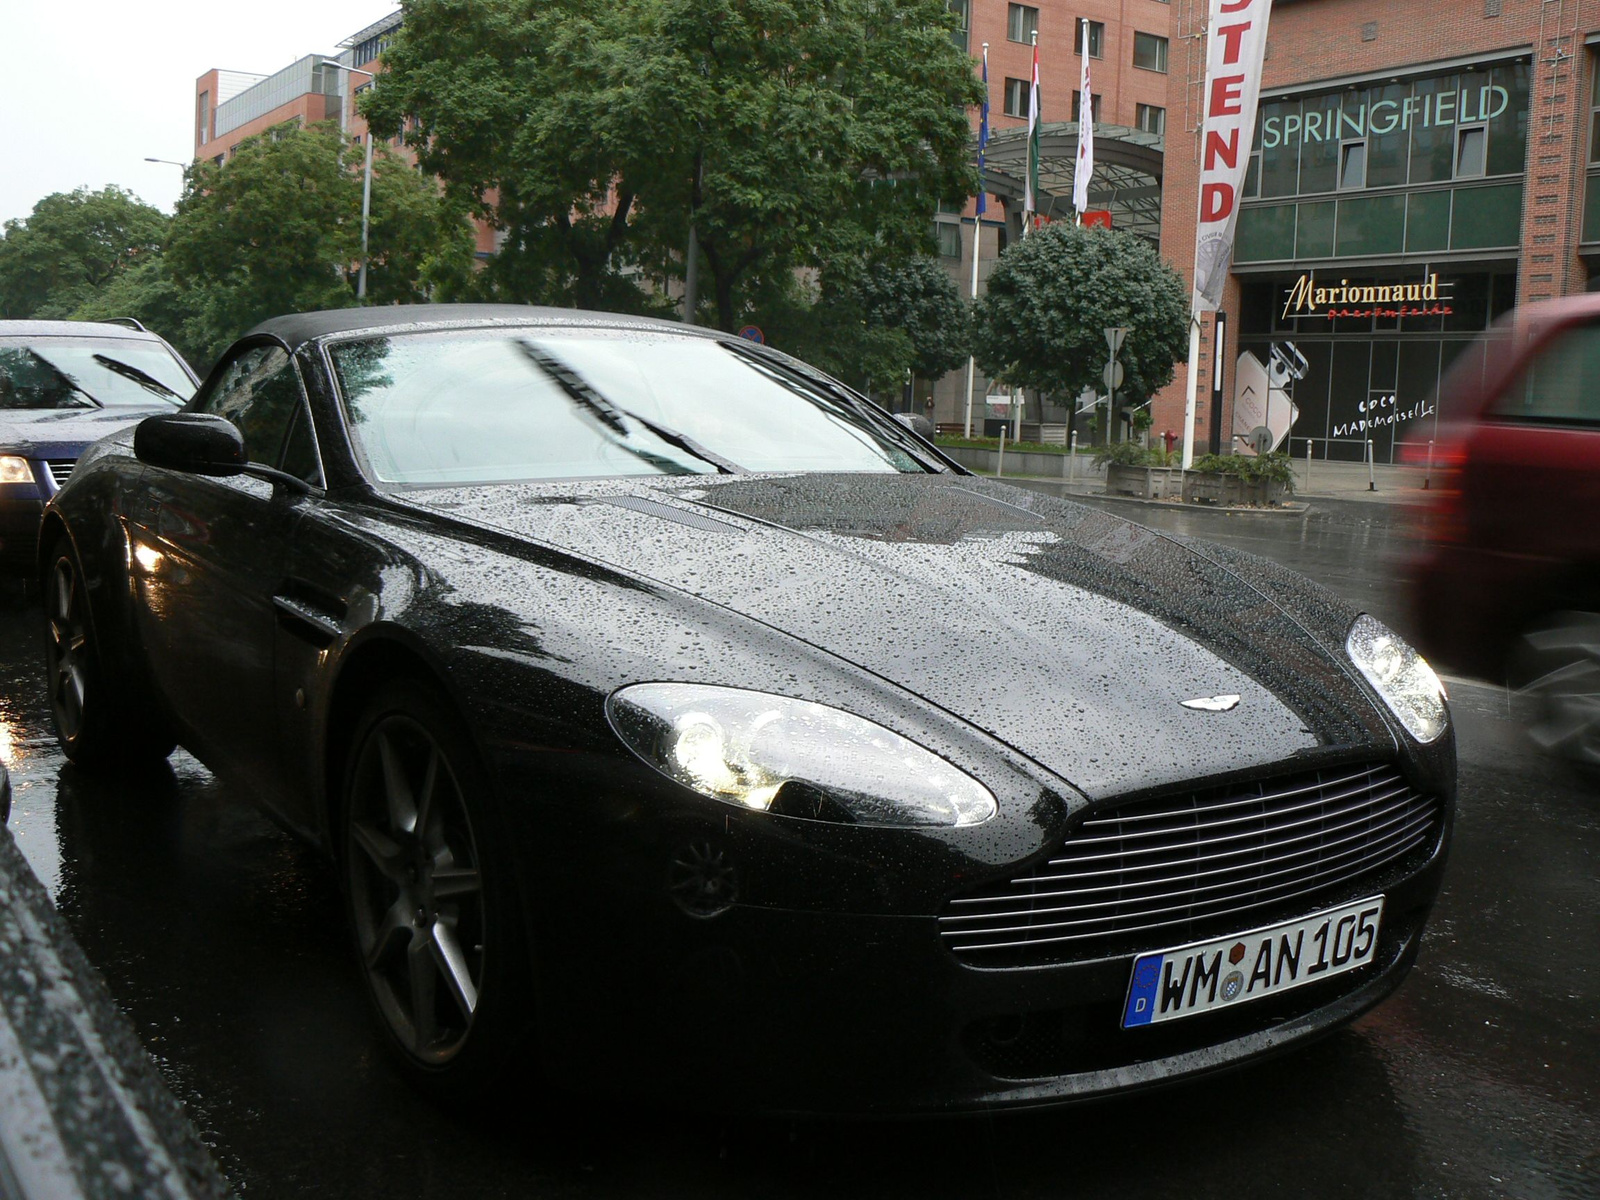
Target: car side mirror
[199,443]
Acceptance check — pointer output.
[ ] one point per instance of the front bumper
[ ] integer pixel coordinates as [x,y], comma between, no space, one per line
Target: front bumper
[21,507]
[788,1011]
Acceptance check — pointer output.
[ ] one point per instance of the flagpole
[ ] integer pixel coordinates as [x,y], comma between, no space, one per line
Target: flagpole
[1030,204]
[977,224]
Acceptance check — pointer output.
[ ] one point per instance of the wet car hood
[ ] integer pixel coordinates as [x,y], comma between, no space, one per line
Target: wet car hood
[48,431]
[1068,633]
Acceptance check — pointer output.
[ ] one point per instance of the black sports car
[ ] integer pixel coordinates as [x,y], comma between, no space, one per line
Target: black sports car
[683,724]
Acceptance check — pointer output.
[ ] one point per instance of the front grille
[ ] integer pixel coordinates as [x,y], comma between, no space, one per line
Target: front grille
[1173,869]
[60,469]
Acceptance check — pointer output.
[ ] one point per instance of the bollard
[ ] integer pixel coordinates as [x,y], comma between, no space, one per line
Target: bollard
[1308,464]
[1000,465]
[1372,484]
[1072,454]
[1427,478]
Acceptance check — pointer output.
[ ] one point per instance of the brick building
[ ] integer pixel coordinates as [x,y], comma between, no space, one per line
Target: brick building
[1130,46]
[1417,170]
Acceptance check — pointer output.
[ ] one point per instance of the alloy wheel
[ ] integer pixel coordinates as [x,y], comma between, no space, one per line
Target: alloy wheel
[1560,673]
[68,648]
[415,890]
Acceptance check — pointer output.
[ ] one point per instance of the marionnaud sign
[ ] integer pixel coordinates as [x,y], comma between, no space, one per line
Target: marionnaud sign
[1307,298]
[1467,106]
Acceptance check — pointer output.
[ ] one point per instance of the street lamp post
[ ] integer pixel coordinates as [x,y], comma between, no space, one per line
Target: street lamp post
[171,162]
[366,178]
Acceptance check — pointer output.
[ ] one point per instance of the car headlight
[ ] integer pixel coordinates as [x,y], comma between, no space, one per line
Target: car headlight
[1401,676]
[793,757]
[15,469]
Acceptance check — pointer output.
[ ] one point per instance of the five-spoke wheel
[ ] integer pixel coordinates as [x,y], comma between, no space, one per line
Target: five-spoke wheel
[66,647]
[1558,671]
[435,939]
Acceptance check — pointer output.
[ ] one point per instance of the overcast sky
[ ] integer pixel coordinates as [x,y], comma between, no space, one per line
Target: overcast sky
[88,88]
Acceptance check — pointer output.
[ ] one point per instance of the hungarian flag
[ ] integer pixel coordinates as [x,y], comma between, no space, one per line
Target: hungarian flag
[1030,193]
[1084,168]
[983,134]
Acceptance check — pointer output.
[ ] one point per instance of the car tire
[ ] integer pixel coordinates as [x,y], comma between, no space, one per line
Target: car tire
[431,897]
[93,723]
[1556,670]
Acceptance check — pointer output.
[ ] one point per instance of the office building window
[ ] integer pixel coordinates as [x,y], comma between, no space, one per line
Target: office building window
[1099,113]
[948,234]
[962,34]
[1150,118]
[202,121]
[1022,22]
[1097,38]
[1594,116]
[1353,165]
[1016,98]
[1150,52]
[1470,145]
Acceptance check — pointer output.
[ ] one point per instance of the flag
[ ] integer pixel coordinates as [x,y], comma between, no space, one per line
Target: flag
[1235,45]
[1085,165]
[1030,190]
[983,134]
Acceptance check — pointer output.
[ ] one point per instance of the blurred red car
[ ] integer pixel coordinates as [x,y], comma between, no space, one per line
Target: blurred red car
[1509,586]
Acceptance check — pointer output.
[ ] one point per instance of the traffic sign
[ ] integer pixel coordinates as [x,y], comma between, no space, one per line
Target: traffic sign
[752,333]
[1114,336]
[1112,375]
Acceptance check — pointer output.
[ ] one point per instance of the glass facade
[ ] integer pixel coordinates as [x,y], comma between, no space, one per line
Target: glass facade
[1352,195]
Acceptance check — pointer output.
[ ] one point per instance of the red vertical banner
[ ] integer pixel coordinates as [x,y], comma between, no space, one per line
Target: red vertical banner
[1236,41]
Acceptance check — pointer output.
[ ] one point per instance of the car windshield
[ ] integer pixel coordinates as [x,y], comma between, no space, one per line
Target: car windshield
[63,372]
[480,406]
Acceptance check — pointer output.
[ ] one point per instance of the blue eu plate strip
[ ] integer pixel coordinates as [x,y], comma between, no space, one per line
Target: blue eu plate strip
[1142,991]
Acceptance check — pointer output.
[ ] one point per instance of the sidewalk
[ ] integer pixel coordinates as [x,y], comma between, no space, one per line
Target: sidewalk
[1326,481]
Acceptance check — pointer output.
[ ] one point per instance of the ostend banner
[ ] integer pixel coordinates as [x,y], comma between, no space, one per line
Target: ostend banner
[1236,41]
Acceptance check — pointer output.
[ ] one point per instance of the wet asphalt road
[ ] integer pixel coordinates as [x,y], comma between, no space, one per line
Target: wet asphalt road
[220,937]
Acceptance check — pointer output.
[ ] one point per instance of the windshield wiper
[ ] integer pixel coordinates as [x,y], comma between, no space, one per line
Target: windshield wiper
[764,360]
[611,415]
[145,380]
[65,378]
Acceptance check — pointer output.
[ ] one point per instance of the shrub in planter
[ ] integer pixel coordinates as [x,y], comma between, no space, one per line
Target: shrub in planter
[1272,468]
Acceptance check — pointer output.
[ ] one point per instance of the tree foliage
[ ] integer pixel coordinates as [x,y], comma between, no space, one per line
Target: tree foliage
[73,245]
[1052,296]
[870,323]
[790,133]
[277,229]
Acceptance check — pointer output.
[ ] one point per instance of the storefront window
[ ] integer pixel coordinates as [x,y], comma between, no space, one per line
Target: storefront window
[1280,147]
[1505,108]
[1389,111]
[1432,146]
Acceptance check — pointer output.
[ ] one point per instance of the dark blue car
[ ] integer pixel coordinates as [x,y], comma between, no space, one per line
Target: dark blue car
[63,385]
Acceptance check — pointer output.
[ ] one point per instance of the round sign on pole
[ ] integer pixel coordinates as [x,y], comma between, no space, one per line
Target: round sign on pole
[752,333]
[1112,375]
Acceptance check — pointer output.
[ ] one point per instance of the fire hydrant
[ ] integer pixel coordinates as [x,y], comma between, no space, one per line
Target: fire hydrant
[1169,437]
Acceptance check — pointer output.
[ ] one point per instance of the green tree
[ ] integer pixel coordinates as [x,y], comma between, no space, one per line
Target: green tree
[73,245]
[1051,297]
[919,297]
[788,132]
[277,229]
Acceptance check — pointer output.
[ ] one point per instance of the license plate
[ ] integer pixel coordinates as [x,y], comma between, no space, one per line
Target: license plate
[1199,977]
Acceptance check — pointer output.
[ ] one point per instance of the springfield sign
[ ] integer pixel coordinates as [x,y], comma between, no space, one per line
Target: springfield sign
[1344,119]
[1307,298]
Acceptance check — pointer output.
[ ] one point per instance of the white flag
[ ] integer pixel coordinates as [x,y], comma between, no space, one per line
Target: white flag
[1085,165]
[1235,44]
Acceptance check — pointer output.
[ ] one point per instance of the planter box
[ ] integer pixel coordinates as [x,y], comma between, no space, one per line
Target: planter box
[1145,483]
[1233,490]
